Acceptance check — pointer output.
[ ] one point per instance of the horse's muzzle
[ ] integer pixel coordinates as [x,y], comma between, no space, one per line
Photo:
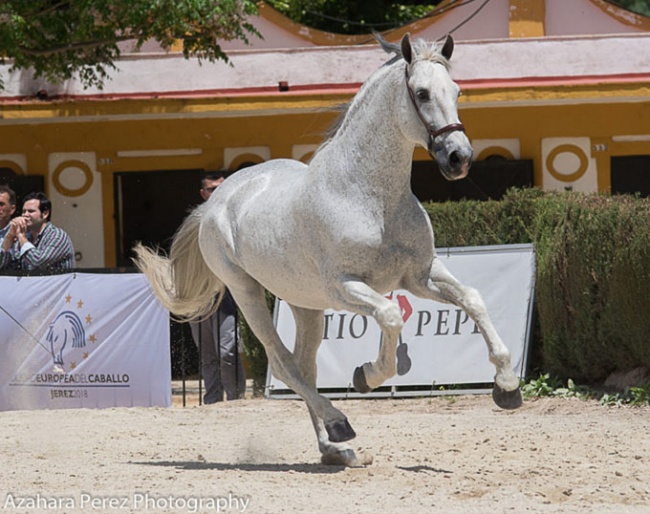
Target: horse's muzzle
[453,164]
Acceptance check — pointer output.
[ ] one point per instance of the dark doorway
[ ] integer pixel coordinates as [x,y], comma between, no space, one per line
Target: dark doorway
[150,206]
[487,180]
[631,175]
[21,184]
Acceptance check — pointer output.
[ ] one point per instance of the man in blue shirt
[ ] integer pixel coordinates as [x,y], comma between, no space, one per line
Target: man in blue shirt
[33,243]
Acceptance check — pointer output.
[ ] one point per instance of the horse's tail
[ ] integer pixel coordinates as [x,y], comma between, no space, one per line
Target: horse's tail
[182,282]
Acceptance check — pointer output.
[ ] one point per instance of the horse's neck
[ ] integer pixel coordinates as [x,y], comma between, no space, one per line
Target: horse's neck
[369,150]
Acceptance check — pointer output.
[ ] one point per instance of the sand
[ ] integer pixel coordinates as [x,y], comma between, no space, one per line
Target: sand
[442,454]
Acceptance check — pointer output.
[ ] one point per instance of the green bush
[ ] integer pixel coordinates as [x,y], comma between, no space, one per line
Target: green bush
[574,285]
[592,275]
[626,314]
[254,351]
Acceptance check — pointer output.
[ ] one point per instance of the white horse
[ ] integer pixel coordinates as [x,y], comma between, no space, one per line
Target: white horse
[339,233]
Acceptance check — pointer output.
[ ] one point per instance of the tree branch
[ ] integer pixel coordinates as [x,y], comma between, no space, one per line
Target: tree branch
[72,47]
[53,8]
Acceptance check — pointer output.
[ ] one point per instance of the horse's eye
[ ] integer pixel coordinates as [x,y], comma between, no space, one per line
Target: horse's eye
[423,95]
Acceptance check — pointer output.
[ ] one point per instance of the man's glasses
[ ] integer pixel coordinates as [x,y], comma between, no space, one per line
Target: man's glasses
[210,189]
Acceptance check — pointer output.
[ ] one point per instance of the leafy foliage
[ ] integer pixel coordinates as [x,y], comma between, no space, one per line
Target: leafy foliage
[592,277]
[592,283]
[548,386]
[634,396]
[59,38]
[254,351]
[353,17]
[360,16]
[637,6]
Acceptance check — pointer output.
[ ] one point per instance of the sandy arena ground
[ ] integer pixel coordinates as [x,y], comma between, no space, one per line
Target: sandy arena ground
[431,455]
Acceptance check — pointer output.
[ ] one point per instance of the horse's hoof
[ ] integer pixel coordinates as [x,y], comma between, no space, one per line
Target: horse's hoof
[508,400]
[359,381]
[346,458]
[340,431]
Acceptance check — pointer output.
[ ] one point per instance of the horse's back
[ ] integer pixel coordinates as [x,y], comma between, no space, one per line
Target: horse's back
[250,219]
[275,168]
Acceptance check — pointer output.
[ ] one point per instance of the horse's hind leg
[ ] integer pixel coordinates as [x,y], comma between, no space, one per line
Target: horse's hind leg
[309,334]
[250,297]
[442,286]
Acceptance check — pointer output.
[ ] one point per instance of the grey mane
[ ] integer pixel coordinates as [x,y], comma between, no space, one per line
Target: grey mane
[342,109]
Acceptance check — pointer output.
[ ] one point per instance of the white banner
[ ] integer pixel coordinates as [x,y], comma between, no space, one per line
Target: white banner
[82,340]
[439,344]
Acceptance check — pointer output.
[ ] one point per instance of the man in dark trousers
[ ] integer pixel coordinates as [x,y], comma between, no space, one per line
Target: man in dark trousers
[221,363]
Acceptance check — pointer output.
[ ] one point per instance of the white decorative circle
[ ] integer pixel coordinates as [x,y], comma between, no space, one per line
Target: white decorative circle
[73,178]
[567,162]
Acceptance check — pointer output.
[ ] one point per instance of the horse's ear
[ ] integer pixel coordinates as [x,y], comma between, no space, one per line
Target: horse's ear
[448,47]
[407,51]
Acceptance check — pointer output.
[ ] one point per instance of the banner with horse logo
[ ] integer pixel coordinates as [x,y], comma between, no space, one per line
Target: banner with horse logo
[439,344]
[82,340]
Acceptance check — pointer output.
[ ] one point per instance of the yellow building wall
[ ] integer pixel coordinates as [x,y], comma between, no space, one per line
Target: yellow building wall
[153,145]
[599,123]
[201,141]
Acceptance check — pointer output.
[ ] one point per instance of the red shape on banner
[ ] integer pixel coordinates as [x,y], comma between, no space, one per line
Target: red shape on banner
[404,305]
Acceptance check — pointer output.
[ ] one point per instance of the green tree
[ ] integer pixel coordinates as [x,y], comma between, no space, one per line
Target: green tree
[61,38]
[353,17]
[360,16]
[637,6]
[58,38]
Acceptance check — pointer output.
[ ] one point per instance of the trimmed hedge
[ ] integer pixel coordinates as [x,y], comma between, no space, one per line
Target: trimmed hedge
[593,272]
[593,275]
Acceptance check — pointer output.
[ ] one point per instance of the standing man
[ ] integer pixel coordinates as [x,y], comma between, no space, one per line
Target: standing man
[221,363]
[33,243]
[7,209]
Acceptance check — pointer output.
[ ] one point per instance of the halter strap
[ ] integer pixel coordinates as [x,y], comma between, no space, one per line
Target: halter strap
[452,127]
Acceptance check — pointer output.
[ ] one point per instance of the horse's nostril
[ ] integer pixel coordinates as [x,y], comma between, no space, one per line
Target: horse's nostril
[454,158]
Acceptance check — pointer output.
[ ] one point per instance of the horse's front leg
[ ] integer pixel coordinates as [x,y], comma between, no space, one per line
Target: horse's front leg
[309,335]
[356,296]
[442,286]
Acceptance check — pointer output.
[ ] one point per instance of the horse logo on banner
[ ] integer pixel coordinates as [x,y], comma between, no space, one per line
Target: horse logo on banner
[66,328]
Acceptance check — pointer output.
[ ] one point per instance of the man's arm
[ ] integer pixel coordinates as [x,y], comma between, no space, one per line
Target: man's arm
[11,235]
[6,254]
[54,246]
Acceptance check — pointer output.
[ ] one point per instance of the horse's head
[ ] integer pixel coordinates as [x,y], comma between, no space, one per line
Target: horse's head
[433,98]
[66,327]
